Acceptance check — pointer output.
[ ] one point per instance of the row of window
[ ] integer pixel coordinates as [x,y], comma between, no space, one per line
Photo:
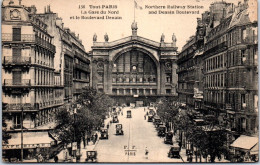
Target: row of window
[44,77]
[44,57]
[215,80]
[134,79]
[135,91]
[215,62]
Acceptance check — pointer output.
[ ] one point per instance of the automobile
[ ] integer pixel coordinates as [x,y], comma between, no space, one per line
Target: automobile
[151,112]
[156,119]
[174,151]
[115,119]
[158,125]
[129,114]
[161,130]
[168,137]
[91,155]
[104,133]
[150,118]
[119,129]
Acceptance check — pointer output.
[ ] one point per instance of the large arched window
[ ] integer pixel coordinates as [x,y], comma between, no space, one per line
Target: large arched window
[134,67]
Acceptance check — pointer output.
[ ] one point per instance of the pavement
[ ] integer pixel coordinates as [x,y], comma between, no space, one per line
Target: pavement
[138,134]
[130,147]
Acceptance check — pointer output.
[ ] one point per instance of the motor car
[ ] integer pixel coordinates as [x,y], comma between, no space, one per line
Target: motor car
[158,125]
[150,118]
[161,130]
[174,151]
[91,156]
[104,133]
[119,129]
[168,138]
[129,114]
[156,120]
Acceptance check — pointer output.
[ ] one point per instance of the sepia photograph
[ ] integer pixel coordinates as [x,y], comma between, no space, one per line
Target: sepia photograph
[129,81]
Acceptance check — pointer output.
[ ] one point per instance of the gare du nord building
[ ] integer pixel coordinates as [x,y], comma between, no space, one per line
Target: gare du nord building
[134,68]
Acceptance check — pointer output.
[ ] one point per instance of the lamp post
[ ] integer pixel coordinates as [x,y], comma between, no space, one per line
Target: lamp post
[22,136]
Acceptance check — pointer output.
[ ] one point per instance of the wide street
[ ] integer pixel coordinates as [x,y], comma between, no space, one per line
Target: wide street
[138,134]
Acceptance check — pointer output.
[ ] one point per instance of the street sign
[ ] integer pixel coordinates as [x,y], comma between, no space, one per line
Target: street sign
[74,146]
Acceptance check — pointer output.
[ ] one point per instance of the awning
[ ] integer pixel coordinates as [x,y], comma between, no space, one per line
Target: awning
[255,150]
[245,142]
[30,140]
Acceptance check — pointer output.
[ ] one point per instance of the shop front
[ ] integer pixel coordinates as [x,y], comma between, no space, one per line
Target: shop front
[34,143]
[245,149]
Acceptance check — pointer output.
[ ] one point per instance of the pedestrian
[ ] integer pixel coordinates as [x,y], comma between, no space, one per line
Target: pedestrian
[144,117]
[56,159]
[146,152]
[96,136]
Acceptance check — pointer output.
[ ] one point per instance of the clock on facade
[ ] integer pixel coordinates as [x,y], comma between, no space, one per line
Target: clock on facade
[15,14]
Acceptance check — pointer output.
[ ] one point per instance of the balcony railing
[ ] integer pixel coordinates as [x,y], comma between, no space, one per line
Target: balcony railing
[25,106]
[82,67]
[214,105]
[11,82]
[45,104]
[16,60]
[217,48]
[28,38]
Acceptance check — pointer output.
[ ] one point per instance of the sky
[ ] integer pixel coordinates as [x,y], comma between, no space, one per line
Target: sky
[150,26]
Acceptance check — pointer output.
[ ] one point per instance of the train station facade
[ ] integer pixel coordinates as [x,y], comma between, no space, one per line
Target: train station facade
[135,68]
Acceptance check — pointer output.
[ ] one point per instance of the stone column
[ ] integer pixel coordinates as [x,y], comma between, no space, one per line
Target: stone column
[174,77]
[131,91]
[109,76]
[158,78]
[105,78]
[117,91]
[124,92]
[162,77]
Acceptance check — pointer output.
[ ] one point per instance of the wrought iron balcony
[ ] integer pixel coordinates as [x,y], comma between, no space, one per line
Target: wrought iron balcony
[82,67]
[217,48]
[19,106]
[12,83]
[16,60]
[28,38]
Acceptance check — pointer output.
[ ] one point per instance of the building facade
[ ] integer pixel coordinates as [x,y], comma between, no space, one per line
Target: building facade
[134,68]
[71,61]
[27,68]
[43,67]
[222,68]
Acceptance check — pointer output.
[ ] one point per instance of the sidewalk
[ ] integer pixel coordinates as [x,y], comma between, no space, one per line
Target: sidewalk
[184,158]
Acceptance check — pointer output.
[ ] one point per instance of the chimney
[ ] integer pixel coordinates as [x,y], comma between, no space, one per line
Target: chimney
[62,25]
[78,36]
[20,2]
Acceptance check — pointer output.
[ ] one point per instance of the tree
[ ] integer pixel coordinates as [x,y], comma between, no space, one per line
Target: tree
[91,108]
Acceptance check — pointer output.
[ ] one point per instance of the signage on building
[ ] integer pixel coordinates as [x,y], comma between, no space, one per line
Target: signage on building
[27,146]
